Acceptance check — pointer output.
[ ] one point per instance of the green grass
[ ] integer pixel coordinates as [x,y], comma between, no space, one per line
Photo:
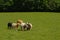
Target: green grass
[46,26]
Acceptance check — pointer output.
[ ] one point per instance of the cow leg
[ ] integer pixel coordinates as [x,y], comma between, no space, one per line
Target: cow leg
[28,28]
[16,28]
[22,28]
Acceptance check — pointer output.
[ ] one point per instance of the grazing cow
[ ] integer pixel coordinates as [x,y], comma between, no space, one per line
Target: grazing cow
[24,26]
[12,25]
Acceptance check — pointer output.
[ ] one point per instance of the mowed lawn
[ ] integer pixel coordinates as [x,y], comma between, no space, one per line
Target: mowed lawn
[46,26]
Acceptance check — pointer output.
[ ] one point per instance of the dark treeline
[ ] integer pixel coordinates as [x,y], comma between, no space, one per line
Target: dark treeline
[29,5]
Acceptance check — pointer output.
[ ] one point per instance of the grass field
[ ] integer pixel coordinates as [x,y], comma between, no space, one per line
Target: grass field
[46,26]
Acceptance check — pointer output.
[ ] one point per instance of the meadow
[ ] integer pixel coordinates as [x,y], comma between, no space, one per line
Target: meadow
[46,26]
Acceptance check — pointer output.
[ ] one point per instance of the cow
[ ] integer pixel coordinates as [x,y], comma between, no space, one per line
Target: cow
[12,25]
[24,26]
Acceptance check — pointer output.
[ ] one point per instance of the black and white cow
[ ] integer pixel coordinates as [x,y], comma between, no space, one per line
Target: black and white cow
[26,26]
[12,25]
